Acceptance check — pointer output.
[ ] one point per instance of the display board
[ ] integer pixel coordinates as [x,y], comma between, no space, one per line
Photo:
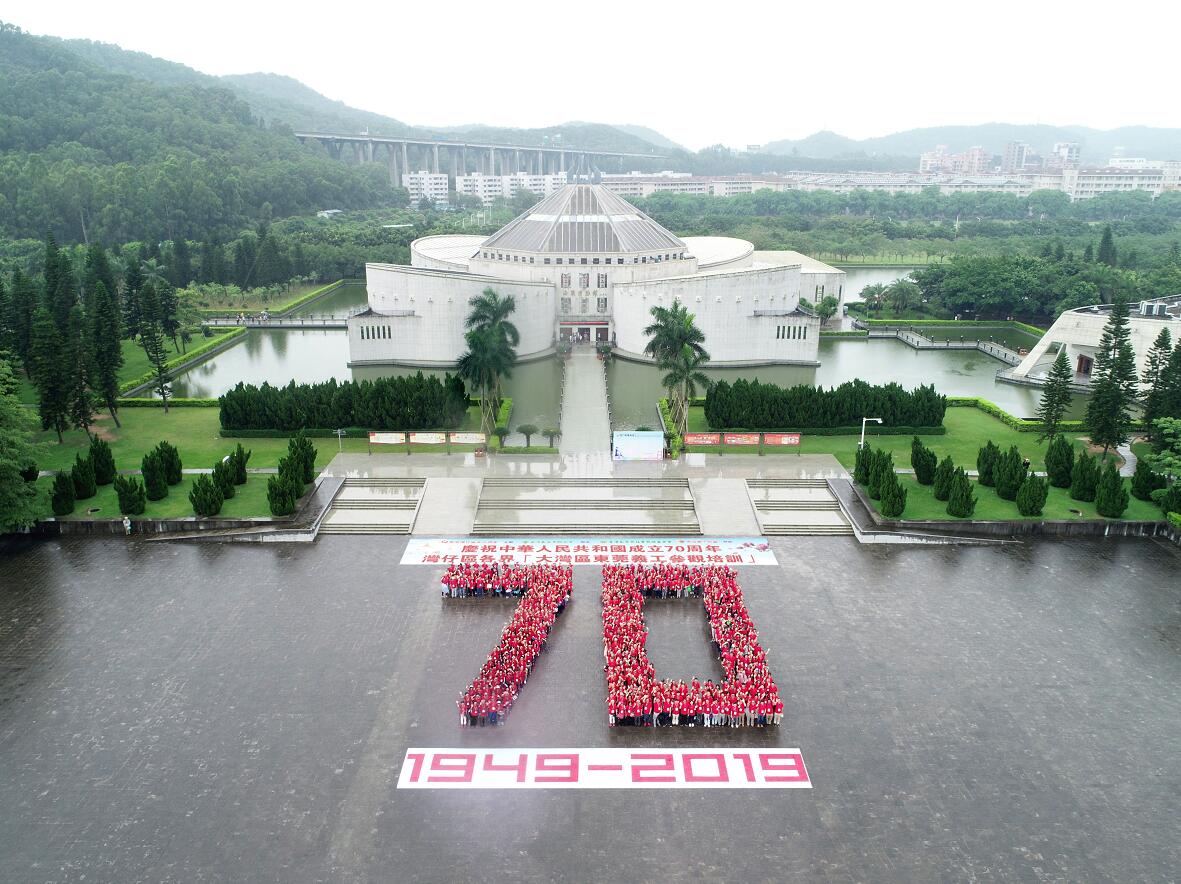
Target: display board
[637,445]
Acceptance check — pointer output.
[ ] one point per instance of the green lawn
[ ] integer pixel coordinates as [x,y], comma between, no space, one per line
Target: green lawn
[968,429]
[195,432]
[921,504]
[249,501]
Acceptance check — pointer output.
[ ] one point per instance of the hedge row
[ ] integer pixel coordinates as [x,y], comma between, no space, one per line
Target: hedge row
[769,407]
[506,408]
[844,334]
[181,359]
[675,443]
[416,402]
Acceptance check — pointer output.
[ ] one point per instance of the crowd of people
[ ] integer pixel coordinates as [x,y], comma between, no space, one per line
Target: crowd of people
[462,581]
[748,696]
[545,591]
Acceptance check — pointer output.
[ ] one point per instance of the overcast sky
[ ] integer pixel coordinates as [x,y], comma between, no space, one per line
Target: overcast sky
[700,72]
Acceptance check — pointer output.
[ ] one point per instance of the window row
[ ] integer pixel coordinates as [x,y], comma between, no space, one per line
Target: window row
[374,332]
[529,259]
[566,305]
[791,332]
[583,280]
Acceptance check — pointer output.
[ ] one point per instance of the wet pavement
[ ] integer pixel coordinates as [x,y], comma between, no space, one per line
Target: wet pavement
[176,712]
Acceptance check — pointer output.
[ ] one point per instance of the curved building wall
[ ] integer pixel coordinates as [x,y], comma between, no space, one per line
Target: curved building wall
[725,306]
[417,316]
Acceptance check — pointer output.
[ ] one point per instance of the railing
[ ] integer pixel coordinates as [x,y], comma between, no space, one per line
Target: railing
[338,322]
[921,342]
[1007,376]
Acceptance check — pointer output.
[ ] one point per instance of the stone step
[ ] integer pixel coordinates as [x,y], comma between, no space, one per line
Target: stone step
[805,530]
[522,530]
[365,529]
[383,482]
[632,504]
[770,505]
[787,483]
[601,481]
[396,504]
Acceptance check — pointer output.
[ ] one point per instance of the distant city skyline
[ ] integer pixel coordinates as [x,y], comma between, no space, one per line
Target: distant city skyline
[759,73]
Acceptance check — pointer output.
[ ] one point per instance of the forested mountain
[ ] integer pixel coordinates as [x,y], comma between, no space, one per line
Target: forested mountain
[94,155]
[1097,144]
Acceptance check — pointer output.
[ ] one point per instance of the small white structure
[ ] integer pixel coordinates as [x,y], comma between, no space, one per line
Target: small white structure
[585,265]
[1079,332]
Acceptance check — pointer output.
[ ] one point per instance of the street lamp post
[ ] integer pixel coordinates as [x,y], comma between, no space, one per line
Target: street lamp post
[864,420]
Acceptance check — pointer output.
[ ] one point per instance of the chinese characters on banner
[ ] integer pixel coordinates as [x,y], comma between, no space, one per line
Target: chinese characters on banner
[387,438]
[591,551]
[702,438]
[741,438]
[781,438]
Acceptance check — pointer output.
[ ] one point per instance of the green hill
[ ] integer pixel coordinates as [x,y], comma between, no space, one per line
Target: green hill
[91,152]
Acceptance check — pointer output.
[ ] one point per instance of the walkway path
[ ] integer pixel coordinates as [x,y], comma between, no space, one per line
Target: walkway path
[1129,467]
[586,421]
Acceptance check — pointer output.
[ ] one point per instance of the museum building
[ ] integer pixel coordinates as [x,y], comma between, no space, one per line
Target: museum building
[584,265]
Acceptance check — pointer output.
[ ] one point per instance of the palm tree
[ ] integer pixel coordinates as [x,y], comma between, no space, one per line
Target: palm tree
[489,314]
[487,360]
[683,376]
[672,330]
[873,295]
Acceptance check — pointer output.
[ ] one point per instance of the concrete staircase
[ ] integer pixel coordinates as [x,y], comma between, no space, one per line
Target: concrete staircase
[608,505]
[796,506]
[374,506]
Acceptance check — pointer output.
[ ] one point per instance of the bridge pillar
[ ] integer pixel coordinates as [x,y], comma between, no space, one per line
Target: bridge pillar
[562,169]
[540,163]
[405,159]
[516,161]
[492,161]
[435,164]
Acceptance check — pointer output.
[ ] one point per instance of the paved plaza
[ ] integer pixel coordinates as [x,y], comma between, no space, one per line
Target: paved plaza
[240,712]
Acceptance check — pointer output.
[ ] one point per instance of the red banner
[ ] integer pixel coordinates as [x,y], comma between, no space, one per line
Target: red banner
[741,438]
[702,438]
[781,438]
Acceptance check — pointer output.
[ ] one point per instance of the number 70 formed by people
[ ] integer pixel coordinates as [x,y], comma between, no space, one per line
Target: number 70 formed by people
[747,697]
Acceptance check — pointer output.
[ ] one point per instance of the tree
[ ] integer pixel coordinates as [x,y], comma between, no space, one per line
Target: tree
[96,270]
[303,455]
[682,376]
[489,315]
[827,308]
[1084,477]
[170,461]
[881,468]
[986,464]
[61,498]
[106,334]
[1113,382]
[22,308]
[19,505]
[923,460]
[486,360]
[152,470]
[46,357]
[241,457]
[1056,395]
[1031,496]
[205,496]
[1059,461]
[941,482]
[1111,498]
[500,433]
[1168,499]
[168,313]
[902,294]
[893,501]
[1146,480]
[961,501]
[1009,473]
[874,295]
[76,368]
[223,478]
[132,498]
[551,433]
[1166,458]
[133,283]
[82,475]
[672,329]
[280,496]
[1107,253]
[528,431]
[151,338]
[1157,378]
[103,460]
[862,463]
[181,264]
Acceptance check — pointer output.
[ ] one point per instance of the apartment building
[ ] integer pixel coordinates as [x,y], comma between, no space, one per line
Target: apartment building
[432,185]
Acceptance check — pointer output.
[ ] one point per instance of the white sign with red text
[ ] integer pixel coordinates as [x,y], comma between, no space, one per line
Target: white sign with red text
[593,551]
[712,768]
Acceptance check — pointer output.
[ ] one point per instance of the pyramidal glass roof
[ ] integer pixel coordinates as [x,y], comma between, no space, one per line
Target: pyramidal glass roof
[583,218]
